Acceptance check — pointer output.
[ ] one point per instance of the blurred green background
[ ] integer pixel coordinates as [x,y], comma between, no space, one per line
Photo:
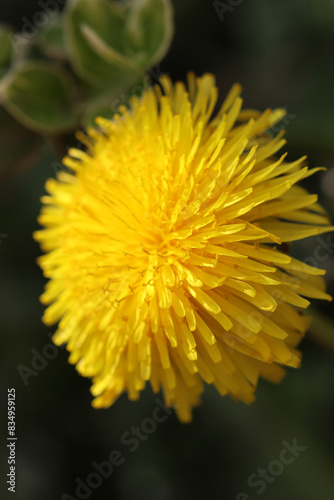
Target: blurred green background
[282,54]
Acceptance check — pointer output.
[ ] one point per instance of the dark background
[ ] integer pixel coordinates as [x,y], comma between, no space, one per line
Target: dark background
[282,54]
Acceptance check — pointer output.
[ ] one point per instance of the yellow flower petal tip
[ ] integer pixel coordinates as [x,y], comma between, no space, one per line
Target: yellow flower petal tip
[162,248]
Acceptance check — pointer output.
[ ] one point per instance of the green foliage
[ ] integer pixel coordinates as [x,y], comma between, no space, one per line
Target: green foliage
[52,39]
[87,21]
[61,76]
[149,30]
[39,96]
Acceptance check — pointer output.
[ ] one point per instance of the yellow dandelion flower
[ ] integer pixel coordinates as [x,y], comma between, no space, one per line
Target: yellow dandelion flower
[163,249]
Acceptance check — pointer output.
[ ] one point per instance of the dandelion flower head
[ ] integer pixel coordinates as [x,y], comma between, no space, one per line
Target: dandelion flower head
[163,248]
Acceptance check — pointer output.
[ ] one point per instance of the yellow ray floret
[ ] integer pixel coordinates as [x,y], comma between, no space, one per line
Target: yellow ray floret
[163,254]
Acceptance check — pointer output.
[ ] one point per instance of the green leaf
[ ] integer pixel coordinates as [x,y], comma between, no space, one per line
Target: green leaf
[109,54]
[19,146]
[52,39]
[149,29]
[5,46]
[40,96]
[94,31]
